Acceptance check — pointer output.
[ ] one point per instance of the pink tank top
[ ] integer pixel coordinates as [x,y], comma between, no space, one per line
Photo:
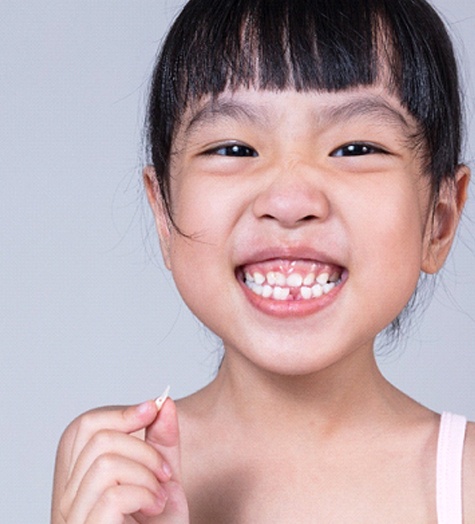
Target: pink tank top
[449,468]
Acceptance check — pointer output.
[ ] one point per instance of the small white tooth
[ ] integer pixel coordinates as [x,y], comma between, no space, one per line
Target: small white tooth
[248,277]
[306,292]
[271,278]
[280,279]
[321,279]
[257,289]
[267,291]
[309,279]
[259,278]
[334,277]
[317,290]
[328,287]
[280,293]
[294,280]
[161,399]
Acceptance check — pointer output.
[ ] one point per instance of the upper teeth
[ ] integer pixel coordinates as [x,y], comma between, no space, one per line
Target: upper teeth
[276,285]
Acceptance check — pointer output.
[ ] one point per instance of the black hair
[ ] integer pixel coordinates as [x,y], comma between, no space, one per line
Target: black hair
[323,45]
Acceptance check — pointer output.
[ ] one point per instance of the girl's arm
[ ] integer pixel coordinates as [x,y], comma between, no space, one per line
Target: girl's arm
[106,473]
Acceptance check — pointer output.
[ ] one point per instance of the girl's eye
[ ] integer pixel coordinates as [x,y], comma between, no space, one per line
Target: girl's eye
[356,150]
[236,150]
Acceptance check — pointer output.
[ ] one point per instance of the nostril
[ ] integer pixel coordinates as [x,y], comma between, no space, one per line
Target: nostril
[306,218]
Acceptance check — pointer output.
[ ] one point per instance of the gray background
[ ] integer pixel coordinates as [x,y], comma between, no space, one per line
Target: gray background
[87,314]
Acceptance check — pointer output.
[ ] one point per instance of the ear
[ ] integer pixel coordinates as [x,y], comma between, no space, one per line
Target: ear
[162,220]
[444,219]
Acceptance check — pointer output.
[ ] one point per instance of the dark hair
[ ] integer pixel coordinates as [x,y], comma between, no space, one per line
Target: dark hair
[309,45]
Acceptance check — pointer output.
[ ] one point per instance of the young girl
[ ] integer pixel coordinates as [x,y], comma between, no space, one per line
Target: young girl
[304,171]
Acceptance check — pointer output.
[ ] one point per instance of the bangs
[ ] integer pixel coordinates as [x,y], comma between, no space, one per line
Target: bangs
[265,44]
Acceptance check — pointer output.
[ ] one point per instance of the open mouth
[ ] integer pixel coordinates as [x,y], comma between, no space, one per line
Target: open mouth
[289,280]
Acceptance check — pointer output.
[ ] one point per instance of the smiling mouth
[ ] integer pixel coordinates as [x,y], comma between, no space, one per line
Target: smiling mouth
[289,280]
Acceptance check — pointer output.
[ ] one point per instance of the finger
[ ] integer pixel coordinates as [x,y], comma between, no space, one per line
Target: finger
[119,501]
[176,508]
[106,445]
[123,419]
[163,434]
[106,472]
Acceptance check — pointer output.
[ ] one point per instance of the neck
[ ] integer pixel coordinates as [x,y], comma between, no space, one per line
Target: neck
[329,399]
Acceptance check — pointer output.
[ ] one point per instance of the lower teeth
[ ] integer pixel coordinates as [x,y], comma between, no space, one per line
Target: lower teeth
[286,293]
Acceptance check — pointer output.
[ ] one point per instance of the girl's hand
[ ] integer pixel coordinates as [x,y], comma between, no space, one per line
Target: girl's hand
[107,474]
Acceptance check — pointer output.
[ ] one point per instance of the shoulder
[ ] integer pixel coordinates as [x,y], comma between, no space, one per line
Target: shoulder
[469,474]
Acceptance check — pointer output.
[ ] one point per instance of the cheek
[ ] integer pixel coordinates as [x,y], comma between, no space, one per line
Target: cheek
[203,207]
[387,228]
[200,255]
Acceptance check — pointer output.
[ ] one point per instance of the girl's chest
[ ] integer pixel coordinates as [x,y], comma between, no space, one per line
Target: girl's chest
[261,491]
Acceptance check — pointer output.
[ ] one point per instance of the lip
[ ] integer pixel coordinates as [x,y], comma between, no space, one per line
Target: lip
[288,253]
[290,308]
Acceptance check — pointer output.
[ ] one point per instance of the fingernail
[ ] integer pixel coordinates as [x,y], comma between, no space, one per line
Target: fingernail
[161,399]
[162,497]
[167,470]
[144,407]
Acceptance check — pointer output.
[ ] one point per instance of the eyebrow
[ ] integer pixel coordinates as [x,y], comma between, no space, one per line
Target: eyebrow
[222,108]
[359,106]
[372,105]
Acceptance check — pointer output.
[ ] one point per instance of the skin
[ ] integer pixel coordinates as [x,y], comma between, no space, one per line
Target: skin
[303,425]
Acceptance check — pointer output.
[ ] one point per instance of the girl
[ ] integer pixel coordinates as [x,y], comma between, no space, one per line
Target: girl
[304,171]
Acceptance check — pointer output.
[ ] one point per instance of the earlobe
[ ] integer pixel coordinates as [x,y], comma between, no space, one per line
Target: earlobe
[443,223]
[162,221]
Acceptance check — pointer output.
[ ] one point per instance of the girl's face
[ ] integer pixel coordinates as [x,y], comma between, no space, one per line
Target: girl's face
[306,222]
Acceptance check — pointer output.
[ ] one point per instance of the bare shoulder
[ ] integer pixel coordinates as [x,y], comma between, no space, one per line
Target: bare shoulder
[469,474]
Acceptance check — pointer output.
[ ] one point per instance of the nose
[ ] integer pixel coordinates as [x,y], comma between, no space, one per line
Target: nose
[292,197]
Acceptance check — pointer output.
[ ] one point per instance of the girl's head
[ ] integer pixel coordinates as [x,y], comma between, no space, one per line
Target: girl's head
[305,153]
[305,45]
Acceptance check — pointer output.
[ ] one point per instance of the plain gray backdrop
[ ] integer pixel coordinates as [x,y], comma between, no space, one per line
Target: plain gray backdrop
[88,315]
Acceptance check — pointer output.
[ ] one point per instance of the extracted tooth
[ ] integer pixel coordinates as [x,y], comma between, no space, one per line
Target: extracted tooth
[280,279]
[294,280]
[306,292]
[322,278]
[334,277]
[280,293]
[328,287]
[259,278]
[271,278]
[309,279]
[161,399]
[317,290]
[267,291]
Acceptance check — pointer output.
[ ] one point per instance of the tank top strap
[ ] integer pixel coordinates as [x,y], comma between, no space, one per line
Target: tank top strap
[449,468]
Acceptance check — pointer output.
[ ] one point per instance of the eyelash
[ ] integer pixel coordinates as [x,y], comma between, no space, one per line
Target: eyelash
[348,150]
[357,149]
[233,150]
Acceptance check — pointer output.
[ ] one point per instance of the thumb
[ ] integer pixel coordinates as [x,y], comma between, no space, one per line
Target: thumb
[164,435]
